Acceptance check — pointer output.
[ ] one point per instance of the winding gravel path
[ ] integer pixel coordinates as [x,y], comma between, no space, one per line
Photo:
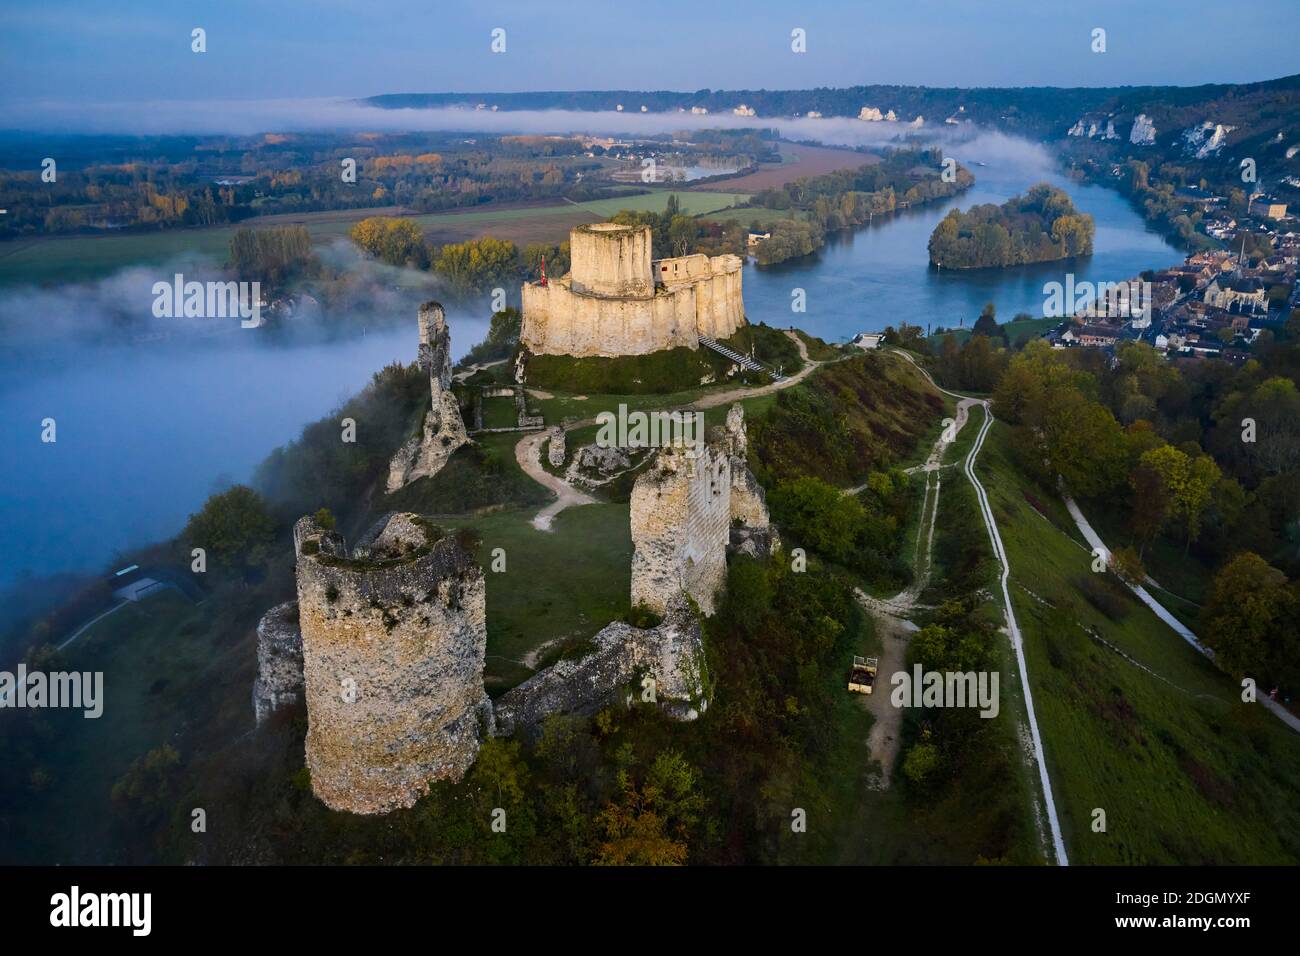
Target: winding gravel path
[528,450]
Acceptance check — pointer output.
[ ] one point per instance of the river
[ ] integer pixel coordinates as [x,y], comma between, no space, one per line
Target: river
[145,432]
[879,275]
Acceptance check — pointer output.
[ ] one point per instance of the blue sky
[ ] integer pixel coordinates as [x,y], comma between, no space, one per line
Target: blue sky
[88,51]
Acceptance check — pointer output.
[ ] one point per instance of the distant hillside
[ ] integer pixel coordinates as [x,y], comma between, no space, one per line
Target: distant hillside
[1179,136]
[1038,111]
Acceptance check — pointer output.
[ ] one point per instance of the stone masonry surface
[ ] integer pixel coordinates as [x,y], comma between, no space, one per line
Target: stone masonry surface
[394,639]
[279,660]
[617,301]
[443,430]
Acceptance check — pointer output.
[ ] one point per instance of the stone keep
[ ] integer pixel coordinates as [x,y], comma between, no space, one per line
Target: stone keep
[424,454]
[616,300]
[687,507]
[393,641]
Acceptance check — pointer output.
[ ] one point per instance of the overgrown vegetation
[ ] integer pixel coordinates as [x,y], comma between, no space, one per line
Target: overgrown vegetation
[1040,226]
[627,786]
[846,420]
[849,198]
[668,370]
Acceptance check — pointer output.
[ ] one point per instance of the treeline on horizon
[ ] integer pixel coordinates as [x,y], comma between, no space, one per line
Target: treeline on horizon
[176,182]
[1029,109]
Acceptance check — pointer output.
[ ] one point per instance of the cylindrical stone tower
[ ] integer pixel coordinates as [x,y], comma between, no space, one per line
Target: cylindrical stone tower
[393,645]
[611,260]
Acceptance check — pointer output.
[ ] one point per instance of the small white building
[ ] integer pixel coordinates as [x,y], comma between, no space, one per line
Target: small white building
[867,340]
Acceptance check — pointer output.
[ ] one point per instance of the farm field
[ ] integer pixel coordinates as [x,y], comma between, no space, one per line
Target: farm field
[85,258]
[799,161]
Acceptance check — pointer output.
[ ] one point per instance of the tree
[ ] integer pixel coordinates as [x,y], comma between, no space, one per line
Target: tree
[819,515]
[477,264]
[651,824]
[1018,391]
[1127,566]
[1150,503]
[980,364]
[398,242]
[270,255]
[1083,442]
[1185,484]
[987,323]
[234,528]
[923,762]
[501,340]
[1250,620]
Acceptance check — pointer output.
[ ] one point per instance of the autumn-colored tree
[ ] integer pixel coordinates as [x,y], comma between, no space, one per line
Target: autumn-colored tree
[396,241]
[651,824]
[1185,483]
[1127,566]
[478,263]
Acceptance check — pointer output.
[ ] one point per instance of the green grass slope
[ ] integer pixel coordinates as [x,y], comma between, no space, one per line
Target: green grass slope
[1141,727]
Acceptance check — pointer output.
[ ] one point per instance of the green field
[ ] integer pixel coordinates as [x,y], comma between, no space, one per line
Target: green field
[500,412]
[83,258]
[558,587]
[1145,729]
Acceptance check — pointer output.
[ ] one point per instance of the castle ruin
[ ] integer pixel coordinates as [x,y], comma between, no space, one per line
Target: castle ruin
[393,642]
[693,502]
[279,660]
[443,430]
[387,642]
[616,300]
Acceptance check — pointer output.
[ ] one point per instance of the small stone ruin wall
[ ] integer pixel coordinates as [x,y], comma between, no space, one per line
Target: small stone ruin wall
[279,660]
[626,665]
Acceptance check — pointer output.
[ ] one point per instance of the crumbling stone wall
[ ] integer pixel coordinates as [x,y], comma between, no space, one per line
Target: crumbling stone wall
[394,638]
[680,514]
[662,665]
[555,447]
[687,507]
[279,660]
[616,301]
[443,431]
[748,499]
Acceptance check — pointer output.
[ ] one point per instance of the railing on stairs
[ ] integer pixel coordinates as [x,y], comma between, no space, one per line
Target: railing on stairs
[744,361]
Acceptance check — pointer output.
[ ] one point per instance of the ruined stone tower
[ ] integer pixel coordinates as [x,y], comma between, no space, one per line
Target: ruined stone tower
[393,641]
[279,660]
[687,507]
[443,431]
